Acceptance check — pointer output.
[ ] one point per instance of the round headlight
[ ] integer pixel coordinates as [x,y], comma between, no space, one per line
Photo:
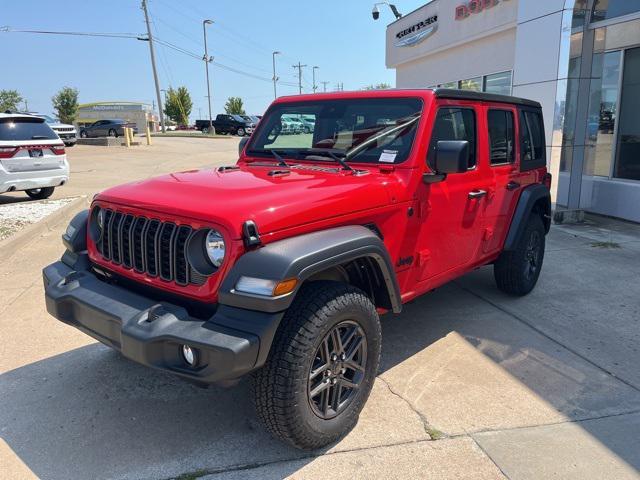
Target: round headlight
[215,247]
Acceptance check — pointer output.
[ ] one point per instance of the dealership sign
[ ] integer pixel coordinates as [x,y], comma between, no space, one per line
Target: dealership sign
[417,33]
[474,6]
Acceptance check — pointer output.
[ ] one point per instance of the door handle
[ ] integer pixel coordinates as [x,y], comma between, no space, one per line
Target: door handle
[475,194]
[513,185]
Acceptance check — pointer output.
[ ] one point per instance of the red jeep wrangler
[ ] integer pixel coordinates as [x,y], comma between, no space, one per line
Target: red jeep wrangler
[280,265]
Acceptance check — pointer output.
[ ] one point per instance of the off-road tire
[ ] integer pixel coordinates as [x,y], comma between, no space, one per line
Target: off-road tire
[40,193]
[514,271]
[280,388]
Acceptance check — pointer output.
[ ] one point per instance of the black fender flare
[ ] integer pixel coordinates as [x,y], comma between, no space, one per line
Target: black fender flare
[75,237]
[529,197]
[303,256]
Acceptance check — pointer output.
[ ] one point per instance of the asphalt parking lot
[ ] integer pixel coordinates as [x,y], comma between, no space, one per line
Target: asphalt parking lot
[473,384]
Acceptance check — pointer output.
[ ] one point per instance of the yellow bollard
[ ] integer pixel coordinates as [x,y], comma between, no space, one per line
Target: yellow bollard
[148,136]
[127,141]
[131,135]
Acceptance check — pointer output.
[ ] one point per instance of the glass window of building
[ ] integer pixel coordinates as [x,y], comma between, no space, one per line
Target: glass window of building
[450,85]
[627,163]
[606,9]
[499,83]
[474,84]
[603,101]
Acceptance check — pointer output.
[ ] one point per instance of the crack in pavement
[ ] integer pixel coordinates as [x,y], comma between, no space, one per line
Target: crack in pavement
[433,433]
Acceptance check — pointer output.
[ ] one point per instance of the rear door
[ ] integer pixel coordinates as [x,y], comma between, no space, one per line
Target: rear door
[504,181]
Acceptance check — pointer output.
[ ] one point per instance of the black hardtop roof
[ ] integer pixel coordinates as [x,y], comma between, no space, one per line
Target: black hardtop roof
[483,96]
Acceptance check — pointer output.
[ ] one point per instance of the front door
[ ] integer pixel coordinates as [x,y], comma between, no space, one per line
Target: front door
[451,210]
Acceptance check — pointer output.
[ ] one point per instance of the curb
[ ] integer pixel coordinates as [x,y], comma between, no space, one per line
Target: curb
[10,245]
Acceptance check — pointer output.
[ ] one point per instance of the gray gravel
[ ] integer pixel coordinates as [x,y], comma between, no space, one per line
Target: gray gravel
[15,216]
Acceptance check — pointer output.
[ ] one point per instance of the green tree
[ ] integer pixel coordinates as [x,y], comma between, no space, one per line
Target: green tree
[178,105]
[65,103]
[378,86]
[9,100]
[234,106]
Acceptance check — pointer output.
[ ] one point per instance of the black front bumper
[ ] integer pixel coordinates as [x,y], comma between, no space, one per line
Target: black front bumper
[231,343]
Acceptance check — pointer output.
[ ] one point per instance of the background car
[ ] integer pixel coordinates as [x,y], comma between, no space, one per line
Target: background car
[65,131]
[32,156]
[294,124]
[107,128]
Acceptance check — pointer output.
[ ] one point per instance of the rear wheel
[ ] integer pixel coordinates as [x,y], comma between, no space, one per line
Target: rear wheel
[40,193]
[517,271]
[240,131]
[113,133]
[321,367]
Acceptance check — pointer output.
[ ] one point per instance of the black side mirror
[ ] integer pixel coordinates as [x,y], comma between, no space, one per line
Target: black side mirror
[243,142]
[452,156]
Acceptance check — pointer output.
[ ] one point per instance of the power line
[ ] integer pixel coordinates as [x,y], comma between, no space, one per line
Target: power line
[136,36]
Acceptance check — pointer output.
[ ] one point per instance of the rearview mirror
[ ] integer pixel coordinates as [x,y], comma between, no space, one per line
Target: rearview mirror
[243,142]
[452,156]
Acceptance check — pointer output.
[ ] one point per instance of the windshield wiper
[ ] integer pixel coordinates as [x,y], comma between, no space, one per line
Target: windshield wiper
[281,161]
[341,161]
[384,133]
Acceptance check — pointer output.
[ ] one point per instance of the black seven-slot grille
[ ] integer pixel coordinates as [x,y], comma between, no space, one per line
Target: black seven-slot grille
[148,246]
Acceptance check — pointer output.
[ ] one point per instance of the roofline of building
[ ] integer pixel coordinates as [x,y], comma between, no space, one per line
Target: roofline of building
[112,103]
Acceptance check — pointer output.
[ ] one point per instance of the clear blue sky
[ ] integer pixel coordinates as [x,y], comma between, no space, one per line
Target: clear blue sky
[339,36]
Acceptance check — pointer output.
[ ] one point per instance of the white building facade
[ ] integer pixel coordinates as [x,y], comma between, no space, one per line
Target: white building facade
[579,58]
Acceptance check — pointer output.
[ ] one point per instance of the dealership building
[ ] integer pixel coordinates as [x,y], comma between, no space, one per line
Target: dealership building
[579,58]
[141,114]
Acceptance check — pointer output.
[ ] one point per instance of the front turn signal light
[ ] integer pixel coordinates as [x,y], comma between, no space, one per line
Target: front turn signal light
[284,287]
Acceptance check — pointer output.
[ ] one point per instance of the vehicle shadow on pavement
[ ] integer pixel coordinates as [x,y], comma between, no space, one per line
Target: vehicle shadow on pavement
[462,363]
[9,199]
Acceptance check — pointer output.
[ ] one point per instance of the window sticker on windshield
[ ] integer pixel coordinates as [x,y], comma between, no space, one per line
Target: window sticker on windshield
[388,156]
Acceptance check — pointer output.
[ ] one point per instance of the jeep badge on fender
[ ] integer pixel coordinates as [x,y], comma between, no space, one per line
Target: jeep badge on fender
[279,266]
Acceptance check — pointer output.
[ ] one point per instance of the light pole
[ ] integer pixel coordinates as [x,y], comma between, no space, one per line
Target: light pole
[206,64]
[315,87]
[275,79]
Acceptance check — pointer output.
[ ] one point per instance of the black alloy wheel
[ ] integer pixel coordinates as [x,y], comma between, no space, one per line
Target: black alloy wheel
[337,370]
[113,133]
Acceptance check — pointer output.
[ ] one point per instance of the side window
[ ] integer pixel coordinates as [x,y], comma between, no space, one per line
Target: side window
[454,123]
[532,144]
[501,136]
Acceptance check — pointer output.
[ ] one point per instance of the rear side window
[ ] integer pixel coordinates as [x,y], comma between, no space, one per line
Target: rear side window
[20,129]
[454,123]
[501,136]
[532,145]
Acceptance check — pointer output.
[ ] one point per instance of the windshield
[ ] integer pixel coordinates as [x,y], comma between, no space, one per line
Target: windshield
[341,126]
[24,128]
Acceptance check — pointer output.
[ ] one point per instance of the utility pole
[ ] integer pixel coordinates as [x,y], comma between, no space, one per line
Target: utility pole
[275,78]
[206,63]
[153,63]
[299,67]
[315,87]
[324,86]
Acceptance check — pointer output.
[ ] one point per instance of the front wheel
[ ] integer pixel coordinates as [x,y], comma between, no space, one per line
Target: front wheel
[40,193]
[240,131]
[83,134]
[517,271]
[321,367]
[113,133]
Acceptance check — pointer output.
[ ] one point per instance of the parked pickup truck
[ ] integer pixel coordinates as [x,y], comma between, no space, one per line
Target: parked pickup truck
[228,124]
[280,265]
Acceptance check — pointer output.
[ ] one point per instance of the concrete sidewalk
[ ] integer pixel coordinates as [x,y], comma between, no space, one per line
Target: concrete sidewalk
[473,384]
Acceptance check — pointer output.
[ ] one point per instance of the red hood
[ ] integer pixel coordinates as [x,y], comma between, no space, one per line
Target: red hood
[250,193]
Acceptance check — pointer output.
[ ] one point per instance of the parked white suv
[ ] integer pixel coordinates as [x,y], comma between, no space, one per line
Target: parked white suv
[67,133]
[32,156]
